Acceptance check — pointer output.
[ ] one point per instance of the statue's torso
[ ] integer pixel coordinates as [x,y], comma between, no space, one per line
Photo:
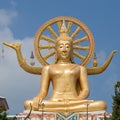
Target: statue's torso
[64,79]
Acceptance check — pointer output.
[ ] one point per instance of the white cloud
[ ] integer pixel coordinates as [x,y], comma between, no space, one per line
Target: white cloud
[15,84]
[6,17]
[6,34]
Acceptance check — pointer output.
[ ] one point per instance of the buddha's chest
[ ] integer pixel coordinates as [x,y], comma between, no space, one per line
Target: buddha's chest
[64,71]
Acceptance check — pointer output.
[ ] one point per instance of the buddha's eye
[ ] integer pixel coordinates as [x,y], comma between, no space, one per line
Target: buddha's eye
[60,46]
[67,46]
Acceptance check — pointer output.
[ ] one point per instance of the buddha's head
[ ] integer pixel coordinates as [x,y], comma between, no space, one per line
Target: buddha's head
[64,45]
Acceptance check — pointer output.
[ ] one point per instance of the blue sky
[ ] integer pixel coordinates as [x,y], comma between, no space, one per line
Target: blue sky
[19,21]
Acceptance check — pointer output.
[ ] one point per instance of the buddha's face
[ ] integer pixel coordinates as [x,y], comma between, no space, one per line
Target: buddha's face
[64,50]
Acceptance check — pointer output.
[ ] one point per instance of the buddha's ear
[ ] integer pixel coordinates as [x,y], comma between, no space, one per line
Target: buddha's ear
[55,49]
[56,58]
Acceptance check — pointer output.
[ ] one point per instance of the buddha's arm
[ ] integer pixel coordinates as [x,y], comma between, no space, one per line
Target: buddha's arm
[84,92]
[45,82]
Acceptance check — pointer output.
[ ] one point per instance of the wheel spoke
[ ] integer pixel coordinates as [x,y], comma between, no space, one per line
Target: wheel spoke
[46,47]
[49,55]
[76,32]
[69,27]
[81,47]
[78,55]
[43,37]
[80,40]
[59,25]
[49,28]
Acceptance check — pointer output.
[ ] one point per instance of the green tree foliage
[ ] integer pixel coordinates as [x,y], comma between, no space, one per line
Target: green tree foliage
[3,116]
[116,102]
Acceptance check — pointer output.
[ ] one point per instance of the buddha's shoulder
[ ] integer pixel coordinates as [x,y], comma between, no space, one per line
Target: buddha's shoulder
[46,67]
[66,65]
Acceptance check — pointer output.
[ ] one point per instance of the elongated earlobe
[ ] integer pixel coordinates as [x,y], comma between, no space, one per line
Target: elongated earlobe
[56,56]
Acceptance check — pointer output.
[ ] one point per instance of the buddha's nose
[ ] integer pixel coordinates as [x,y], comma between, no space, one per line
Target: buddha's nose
[64,49]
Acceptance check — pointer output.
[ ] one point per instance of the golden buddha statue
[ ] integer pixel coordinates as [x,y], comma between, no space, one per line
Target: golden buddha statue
[69,80]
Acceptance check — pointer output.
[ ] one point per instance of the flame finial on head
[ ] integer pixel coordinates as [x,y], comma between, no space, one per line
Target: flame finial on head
[63,33]
[63,28]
